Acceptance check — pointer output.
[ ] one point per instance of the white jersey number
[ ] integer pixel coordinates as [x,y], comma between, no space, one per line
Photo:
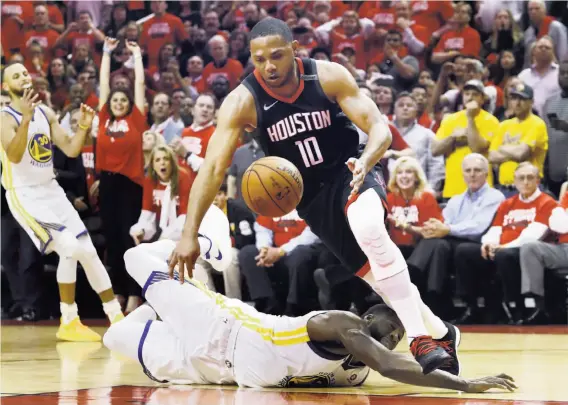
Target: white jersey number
[310,151]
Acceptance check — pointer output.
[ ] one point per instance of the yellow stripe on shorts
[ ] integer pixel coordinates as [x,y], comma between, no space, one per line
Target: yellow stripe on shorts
[41,233]
[283,338]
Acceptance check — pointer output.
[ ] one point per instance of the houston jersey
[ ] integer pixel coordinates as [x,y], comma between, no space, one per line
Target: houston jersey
[36,166]
[307,129]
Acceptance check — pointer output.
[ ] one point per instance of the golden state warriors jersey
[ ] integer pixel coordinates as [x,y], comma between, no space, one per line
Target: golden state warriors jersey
[36,166]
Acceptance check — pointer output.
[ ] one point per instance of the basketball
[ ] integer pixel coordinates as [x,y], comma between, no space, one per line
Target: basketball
[272,186]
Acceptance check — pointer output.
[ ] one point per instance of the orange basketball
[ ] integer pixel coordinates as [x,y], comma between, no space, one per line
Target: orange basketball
[272,186]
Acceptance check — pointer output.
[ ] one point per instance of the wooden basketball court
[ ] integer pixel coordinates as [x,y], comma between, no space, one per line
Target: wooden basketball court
[35,369]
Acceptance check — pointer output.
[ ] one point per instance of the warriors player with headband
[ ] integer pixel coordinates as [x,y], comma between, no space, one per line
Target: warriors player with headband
[304,111]
[40,205]
[207,338]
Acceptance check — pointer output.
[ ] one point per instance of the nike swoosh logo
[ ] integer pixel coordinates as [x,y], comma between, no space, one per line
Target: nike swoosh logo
[268,107]
[208,254]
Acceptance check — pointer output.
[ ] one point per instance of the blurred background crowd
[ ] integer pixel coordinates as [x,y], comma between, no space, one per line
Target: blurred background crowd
[477,97]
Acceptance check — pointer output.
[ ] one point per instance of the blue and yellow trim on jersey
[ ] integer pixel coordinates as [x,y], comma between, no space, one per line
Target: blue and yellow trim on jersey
[281,338]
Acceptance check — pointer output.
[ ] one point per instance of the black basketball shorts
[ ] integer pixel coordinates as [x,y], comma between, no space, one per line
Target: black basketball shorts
[326,215]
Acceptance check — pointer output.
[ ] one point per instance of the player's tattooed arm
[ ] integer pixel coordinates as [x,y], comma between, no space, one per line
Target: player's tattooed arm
[340,86]
[354,335]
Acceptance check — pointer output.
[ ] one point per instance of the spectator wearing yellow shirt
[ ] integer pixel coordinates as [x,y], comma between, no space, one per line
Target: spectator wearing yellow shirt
[523,138]
[467,131]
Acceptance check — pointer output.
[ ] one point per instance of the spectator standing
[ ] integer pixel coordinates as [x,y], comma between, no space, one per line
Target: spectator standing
[161,29]
[542,25]
[192,146]
[506,36]
[221,65]
[41,33]
[119,160]
[85,33]
[520,139]
[462,133]
[542,76]
[460,39]
[555,115]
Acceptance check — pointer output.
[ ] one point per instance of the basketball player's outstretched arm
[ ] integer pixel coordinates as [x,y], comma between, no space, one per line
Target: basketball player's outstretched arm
[340,86]
[236,113]
[14,136]
[70,145]
[354,335]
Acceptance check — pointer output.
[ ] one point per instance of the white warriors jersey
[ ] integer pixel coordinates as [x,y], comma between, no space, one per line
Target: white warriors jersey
[36,166]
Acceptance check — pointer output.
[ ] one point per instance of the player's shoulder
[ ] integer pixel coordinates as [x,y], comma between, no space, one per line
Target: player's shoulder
[334,78]
[330,71]
[239,105]
[9,118]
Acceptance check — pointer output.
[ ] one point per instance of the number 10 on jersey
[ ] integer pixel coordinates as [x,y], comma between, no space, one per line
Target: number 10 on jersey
[310,151]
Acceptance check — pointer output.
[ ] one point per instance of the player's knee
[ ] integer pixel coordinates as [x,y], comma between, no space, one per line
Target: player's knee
[87,249]
[131,258]
[530,249]
[112,336]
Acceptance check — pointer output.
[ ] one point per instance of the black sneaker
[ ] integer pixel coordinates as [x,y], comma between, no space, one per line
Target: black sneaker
[450,343]
[428,354]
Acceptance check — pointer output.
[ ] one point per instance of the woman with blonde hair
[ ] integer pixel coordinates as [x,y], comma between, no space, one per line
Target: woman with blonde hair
[165,197]
[150,140]
[506,36]
[411,204]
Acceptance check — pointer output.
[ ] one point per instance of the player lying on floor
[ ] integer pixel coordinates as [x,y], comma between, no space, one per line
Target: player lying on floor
[206,338]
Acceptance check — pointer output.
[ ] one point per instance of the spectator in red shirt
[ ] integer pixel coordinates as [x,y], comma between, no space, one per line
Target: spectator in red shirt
[432,14]
[88,80]
[461,39]
[40,33]
[82,32]
[120,162]
[222,64]
[212,26]
[194,76]
[35,61]
[14,15]
[165,197]
[411,204]
[194,140]
[161,29]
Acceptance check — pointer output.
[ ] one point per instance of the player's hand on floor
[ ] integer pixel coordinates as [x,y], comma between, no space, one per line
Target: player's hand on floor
[184,256]
[501,381]
[359,173]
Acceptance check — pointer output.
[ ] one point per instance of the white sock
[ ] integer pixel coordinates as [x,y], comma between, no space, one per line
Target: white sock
[397,289]
[433,323]
[112,308]
[68,312]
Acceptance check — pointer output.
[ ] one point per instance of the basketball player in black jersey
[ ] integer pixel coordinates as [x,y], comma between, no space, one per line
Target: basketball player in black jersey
[304,111]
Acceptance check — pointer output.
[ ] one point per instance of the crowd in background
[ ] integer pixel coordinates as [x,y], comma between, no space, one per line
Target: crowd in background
[477,97]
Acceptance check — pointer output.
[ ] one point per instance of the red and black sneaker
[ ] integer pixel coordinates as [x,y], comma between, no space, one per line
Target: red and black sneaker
[428,354]
[450,343]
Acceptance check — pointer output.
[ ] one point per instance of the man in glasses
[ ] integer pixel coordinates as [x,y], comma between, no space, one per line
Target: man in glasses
[495,268]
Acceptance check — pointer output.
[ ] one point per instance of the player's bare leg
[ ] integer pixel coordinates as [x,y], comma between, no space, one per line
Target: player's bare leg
[391,280]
